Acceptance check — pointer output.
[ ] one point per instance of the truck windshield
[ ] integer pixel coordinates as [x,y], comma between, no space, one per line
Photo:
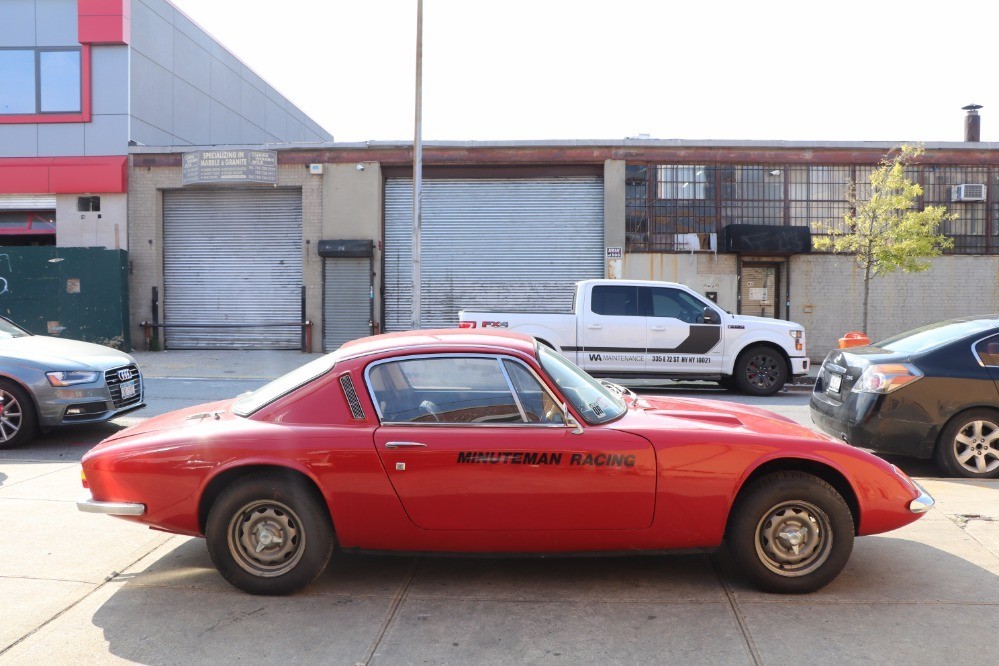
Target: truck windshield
[594,402]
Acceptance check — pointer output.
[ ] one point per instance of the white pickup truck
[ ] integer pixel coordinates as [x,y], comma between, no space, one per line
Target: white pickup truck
[639,329]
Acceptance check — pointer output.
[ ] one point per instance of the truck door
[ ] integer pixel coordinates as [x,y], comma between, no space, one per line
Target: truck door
[678,339]
[611,333]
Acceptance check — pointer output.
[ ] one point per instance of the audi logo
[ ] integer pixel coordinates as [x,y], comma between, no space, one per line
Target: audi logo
[125,375]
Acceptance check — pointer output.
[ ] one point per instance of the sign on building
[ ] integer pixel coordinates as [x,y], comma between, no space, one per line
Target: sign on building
[230,166]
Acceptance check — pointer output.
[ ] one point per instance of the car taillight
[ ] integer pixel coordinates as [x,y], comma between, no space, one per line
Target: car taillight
[886,378]
[83,479]
[466,324]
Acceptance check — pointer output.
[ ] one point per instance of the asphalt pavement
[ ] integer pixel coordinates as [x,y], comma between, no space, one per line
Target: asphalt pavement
[88,589]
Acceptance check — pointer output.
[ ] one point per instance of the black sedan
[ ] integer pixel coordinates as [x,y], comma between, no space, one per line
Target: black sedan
[932,392]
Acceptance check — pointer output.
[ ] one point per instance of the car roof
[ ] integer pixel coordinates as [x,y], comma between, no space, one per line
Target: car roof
[443,339]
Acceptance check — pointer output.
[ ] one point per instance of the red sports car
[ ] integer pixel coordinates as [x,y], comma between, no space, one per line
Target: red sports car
[462,442]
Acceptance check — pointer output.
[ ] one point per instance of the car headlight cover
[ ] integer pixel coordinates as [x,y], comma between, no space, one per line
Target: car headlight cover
[799,339]
[886,378]
[72,377]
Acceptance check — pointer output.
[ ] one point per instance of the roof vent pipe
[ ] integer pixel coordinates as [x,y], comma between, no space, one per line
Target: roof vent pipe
[972,123]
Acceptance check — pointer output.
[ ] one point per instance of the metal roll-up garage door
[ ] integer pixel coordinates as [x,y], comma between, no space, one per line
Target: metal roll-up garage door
[510,244]
[232,257]
[346,300]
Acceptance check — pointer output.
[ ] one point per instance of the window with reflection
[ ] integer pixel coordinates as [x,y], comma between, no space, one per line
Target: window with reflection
[40,80]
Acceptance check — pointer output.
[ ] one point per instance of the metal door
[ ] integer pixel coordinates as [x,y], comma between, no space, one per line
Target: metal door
[232,257]
[501,244]
[346,300]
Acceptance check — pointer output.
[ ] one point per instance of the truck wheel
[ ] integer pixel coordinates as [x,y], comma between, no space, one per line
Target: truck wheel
[760,371]
[790,532]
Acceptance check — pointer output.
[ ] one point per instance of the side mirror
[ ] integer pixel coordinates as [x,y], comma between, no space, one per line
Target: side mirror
[710,316]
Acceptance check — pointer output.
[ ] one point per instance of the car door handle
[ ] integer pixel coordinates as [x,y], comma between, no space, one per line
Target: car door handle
[658,328]
[594,326]
[404,445]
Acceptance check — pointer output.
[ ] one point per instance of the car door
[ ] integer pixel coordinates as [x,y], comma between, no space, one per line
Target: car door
[611,333]
[479,442]
[678,338]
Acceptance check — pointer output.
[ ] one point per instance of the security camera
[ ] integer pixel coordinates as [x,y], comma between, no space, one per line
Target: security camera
[359,167]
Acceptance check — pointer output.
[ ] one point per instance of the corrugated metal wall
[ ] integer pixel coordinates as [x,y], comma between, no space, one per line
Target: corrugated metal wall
[232,257]
[346,300]
[510,244]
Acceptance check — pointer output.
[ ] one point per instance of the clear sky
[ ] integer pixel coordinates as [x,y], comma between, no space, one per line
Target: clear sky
[874,70]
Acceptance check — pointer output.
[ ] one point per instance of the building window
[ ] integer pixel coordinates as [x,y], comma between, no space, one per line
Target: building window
[969,229]
[38,81]
[24,227]
[818,196]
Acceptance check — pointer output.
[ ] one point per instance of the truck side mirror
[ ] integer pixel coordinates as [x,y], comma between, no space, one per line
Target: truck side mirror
[710,316]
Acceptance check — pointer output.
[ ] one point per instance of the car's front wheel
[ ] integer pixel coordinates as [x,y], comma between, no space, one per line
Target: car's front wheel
[760,371]
[17,415]
[790,532]
[969,445]
[269,534]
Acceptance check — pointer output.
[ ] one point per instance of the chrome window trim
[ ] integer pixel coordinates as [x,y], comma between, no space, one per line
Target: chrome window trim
[974,350]
[499,358]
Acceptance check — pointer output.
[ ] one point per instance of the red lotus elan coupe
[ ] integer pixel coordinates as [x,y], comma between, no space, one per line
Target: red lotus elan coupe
[462,442]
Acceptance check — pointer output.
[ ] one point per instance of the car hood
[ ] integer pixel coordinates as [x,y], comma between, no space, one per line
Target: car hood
[665,414]
[61,354]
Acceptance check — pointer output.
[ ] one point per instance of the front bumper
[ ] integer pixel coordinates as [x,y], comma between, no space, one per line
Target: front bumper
[90,505]
[923,503]
[799,365]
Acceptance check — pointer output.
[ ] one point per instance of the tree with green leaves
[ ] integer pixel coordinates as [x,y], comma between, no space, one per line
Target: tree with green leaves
[884,232]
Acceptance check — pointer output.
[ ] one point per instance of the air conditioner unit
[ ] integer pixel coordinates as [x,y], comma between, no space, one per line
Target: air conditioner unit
[968,192]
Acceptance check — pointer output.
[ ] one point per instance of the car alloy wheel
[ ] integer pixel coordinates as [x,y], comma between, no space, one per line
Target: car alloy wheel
[969,445]
[17,415]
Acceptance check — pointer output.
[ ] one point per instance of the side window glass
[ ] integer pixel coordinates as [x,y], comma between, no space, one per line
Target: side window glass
[988,351]
[443,390]
[615,300]
[539,407]
[676,304]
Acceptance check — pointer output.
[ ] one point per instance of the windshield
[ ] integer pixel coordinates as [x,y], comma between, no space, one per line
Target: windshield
[268,393]
[933,335]
[594,402]
[9,330]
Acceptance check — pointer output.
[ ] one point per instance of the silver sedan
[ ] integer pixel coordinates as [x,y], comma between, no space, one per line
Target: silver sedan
[49,382]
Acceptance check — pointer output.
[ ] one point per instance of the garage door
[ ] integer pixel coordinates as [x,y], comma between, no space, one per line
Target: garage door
[232,257]
[511,244]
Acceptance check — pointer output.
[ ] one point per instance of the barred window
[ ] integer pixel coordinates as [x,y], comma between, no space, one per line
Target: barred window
[968,229]
[752,194]
[818,195]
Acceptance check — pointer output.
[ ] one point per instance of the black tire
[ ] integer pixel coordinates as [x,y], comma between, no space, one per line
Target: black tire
[269,534]
[18,422]
[968,445]
[728,383]
[784,512]
[760,371]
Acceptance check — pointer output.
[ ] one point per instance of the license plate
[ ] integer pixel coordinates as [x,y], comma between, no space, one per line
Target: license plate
[835,381]
[129,390]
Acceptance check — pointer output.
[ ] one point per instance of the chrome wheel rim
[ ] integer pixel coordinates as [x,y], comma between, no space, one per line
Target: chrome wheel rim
[11,416]
[763,371]
[794,538]
[266,538]
[976,446]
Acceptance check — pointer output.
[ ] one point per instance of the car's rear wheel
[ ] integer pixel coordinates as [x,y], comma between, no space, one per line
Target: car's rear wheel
[760,370]
[969,445]
[790,532]
[18,423]
[269,534]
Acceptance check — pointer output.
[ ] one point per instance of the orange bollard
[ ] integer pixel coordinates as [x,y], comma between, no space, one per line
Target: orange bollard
[854,339]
